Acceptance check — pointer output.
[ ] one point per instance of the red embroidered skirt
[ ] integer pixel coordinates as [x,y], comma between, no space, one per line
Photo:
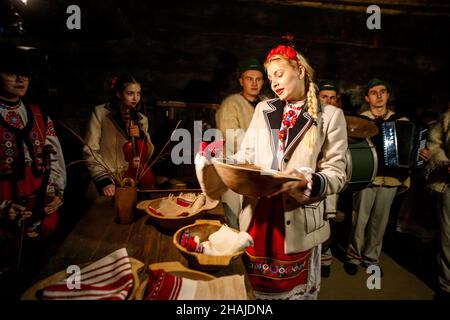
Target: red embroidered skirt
[27,189]
[269,268]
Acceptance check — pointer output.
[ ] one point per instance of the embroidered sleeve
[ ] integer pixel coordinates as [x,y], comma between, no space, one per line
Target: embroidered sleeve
[57,179]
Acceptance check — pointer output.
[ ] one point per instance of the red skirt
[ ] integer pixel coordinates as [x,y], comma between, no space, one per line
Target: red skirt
[269,268]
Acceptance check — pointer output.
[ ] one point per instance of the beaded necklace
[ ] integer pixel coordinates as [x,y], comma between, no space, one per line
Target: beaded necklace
[9,105]
[288,120]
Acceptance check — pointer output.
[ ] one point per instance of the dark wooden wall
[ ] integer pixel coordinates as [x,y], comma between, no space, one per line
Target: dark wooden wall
[177,45]
[188,50]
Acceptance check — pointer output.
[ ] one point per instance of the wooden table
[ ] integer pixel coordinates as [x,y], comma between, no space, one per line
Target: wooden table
[97,235]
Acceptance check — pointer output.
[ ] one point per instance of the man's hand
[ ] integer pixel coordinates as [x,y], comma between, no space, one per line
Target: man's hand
[425,154]
[16,210]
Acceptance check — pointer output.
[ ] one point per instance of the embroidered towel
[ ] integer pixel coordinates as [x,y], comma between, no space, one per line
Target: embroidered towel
[109,278]
[166,286]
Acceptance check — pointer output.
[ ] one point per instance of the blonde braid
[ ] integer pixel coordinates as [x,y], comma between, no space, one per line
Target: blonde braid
[312,104]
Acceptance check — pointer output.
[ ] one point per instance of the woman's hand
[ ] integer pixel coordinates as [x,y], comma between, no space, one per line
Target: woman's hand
[109,190]
[134,131]
[295,189]
[53,205]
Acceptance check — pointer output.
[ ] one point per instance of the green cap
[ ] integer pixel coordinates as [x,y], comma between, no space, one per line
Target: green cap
[326,84]
[377,82]
[251,64]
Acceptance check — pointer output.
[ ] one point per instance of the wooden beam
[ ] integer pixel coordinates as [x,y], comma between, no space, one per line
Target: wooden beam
[395,7]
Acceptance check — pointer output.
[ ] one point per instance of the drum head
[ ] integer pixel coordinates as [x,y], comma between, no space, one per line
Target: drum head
[361,128]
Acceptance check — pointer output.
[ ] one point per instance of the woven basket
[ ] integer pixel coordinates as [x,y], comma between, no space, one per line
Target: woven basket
[33,293]
[175,268]
[200,261]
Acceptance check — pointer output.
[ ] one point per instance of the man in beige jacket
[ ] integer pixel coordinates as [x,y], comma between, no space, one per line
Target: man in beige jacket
[439,165]
[233,118]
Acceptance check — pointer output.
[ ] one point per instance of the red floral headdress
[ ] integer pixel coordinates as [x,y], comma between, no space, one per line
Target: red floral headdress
[113,82]
[285,51]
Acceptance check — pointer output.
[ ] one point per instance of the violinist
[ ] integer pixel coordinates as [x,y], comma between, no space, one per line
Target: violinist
[114,128]
[27,171]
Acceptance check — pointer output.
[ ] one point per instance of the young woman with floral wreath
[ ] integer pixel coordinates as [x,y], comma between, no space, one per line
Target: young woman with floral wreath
[298,136]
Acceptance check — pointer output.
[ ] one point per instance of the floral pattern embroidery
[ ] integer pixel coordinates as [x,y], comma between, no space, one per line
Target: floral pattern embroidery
[14,120]
[275,268]
[51,129]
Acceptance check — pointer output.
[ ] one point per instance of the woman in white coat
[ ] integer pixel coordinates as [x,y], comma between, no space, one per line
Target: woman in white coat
[296,135]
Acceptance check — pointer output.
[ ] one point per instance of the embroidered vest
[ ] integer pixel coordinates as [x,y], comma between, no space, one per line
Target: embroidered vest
[13,142]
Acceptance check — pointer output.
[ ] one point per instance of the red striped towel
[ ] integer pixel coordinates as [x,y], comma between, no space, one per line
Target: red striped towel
[109,278]
[165,286]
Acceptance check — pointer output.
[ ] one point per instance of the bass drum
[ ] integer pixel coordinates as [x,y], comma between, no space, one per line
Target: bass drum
[361,164]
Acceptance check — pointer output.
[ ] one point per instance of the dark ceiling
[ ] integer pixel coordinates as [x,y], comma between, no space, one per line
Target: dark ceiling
[172,42]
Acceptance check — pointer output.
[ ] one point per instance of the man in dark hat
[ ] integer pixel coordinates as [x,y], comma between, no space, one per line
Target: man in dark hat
[234,116]
[30,153]
[328,92]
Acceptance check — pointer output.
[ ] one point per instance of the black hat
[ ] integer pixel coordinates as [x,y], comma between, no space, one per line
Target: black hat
[251,64]
[19,60]
[326,84]
[377,82]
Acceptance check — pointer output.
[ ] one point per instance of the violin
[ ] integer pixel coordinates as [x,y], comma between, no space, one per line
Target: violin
[136,151]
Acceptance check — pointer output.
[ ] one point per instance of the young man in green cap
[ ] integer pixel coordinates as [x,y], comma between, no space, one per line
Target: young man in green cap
[371,206]
[236,111]
[233,118]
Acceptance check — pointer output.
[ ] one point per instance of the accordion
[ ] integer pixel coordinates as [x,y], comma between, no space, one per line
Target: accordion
[401,143]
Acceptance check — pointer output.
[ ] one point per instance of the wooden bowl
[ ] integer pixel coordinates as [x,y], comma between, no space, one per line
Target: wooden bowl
[250,180]
[200,261]
[175,268]
[33,293]
[174,223]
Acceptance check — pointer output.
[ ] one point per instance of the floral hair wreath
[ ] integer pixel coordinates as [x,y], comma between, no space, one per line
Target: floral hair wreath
[285,51]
